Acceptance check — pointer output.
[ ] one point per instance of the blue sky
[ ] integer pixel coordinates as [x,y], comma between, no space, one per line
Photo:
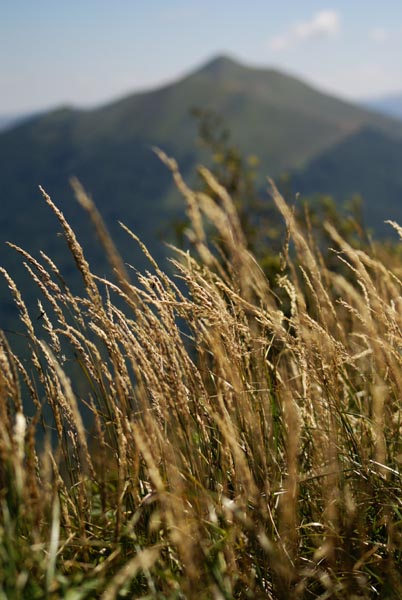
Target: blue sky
[90,51]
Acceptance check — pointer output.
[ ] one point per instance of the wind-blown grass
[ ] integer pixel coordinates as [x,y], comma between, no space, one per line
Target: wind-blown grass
[245,441]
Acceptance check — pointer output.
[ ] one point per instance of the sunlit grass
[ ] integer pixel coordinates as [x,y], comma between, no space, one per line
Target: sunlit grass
[244,442]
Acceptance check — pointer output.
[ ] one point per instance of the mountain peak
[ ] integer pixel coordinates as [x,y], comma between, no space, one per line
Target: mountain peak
[220,66]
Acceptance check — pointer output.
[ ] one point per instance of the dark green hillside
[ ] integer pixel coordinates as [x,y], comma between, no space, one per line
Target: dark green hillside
[275,116]
[367,163]
[280,117]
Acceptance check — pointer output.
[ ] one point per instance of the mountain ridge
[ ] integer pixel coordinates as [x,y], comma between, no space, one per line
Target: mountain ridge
[342,172]
[389,105]
[286,122]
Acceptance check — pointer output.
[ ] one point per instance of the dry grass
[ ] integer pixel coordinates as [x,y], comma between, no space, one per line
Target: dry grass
[244,443]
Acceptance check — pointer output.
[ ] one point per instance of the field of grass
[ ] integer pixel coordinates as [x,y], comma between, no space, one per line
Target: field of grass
[245,438]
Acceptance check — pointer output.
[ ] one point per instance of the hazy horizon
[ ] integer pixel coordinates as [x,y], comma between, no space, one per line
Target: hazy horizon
[89,54]
[173,79]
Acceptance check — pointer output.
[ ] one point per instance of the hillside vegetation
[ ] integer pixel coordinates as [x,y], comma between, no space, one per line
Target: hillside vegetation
[285,122]
[246,439]
[342,171]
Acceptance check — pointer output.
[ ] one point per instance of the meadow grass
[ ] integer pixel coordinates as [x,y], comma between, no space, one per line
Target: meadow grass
[203,434]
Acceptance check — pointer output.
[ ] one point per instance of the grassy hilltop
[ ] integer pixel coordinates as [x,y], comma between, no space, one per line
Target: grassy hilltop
[246,438]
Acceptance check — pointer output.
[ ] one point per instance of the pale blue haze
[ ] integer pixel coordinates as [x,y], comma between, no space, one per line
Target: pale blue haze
[88,52]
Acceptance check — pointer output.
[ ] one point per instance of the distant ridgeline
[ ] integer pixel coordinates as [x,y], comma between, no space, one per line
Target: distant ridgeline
[328,146]
[390,105]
